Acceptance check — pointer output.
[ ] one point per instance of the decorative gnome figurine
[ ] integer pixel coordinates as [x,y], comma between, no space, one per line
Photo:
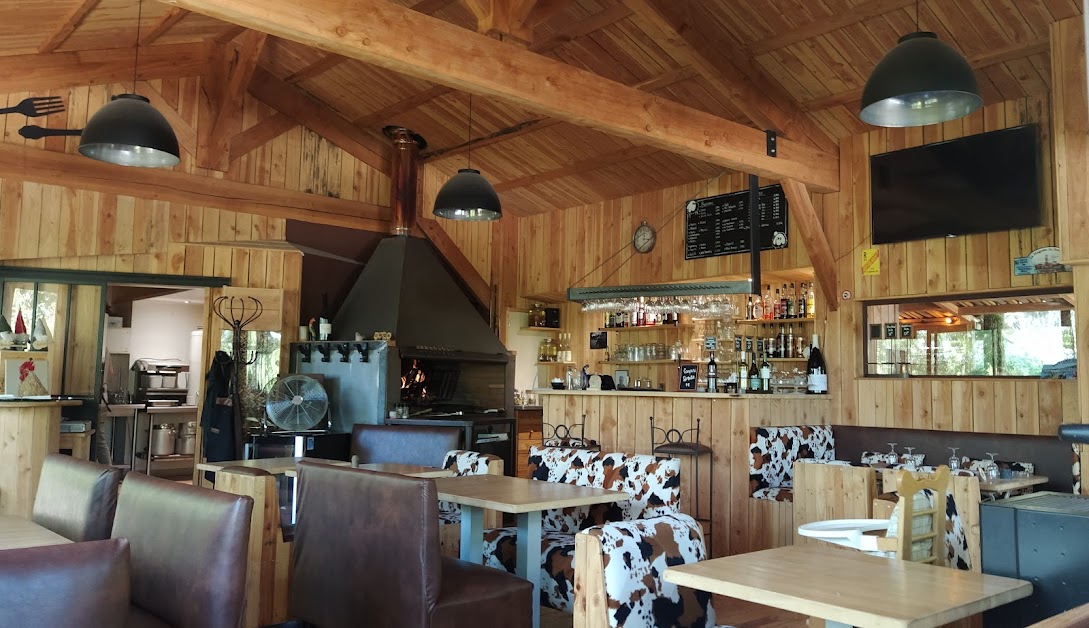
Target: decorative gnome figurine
[20,328]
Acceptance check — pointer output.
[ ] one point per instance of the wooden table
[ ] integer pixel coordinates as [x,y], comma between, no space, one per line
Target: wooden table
[851,588]
[411,470]
[526,499]
[289,466]
[1005,487]
[17,532]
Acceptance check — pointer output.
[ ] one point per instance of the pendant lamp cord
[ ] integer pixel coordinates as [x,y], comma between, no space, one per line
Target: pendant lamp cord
[136,59]
[469,151]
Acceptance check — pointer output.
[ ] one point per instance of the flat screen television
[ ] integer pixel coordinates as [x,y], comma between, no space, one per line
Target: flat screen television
[975,184]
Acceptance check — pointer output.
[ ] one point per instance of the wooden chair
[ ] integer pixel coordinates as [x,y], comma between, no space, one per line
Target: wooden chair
[917,526]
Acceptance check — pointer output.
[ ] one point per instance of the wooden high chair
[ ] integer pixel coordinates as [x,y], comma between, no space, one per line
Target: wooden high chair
[916,529]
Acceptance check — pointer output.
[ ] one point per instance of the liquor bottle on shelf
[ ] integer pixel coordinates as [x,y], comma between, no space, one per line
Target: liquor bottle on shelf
[778,305]
[757,308]
[742,373]
[754,375]
[809,311]
[610,320]
[769,346]
[769,311]
[817,381]
[765,375]
[802,305]
[749,310]
[800,348]
[712,374]
[783,303]
[780,342]
[791,300]
[790,342]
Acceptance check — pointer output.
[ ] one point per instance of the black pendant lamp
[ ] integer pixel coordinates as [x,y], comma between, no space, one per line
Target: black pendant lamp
[128,131]
[468,195]
[921,81]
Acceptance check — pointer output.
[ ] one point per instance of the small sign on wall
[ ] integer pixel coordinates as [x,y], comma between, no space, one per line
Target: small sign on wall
[1042,261]
[710,343]
[871,262]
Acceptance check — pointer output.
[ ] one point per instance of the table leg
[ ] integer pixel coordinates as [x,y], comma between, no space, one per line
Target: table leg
[529,557]
[472,534]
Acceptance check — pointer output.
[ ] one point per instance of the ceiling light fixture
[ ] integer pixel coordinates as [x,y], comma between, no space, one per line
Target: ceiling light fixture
[128,131]
[468,195]
[921,81]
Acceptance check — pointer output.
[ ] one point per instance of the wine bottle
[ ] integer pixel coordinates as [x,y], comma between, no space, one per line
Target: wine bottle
[742,373]
[754,375]
[818,372]
[802,302]
[712,374]
[749,310]
[765,375]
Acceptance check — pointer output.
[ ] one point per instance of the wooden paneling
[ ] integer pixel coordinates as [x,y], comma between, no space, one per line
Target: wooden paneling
[621,422]
[1071,137]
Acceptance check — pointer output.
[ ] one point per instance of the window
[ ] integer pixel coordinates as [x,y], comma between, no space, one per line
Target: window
[1025,335]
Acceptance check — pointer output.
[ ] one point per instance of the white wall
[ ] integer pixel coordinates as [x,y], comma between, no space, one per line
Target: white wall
[161,329]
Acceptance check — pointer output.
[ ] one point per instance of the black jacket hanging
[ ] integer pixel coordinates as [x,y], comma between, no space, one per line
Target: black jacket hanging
[218,419]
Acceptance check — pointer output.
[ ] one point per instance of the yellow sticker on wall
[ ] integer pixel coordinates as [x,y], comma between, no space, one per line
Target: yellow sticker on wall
[871,262]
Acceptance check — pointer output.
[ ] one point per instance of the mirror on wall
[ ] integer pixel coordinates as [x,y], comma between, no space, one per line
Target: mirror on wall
[1022,334]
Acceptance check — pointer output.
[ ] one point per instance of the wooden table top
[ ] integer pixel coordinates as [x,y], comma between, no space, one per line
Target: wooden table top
[517,495]
[851,587]
[1012,484]
[16,532]
[274,466]
[412,470]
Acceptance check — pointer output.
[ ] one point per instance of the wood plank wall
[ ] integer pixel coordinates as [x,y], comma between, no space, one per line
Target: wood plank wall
[929,268]
[621,422]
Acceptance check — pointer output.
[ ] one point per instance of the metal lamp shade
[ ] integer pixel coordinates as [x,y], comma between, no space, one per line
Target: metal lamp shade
[128,131]
[468,196]
[921,81]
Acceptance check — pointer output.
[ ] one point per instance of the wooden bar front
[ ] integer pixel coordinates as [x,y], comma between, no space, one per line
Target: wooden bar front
[28,431]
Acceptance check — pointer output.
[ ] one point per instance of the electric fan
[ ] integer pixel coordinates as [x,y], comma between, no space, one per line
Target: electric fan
[296,403]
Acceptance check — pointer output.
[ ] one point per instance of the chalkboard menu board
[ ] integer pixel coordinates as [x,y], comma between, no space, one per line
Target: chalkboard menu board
[719,225]
[689,372]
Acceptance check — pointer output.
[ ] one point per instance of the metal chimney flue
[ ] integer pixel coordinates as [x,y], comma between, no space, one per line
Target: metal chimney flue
[405,166]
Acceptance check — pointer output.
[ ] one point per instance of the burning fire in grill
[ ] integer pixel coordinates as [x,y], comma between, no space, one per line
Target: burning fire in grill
[412,383]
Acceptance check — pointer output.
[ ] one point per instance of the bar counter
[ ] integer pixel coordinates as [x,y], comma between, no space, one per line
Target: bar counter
[620,421]
[28,431]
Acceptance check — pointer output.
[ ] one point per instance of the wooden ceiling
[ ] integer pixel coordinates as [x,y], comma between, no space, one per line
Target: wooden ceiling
[794,65]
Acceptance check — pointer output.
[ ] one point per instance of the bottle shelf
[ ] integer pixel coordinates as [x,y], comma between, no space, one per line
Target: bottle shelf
[775,321]
[547,330]
[640,362]
[647,327]
[787,359]
[541,363]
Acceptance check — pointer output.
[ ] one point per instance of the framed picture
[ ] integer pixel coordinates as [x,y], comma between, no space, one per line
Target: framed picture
[621,377]
[26,377]
[599,340]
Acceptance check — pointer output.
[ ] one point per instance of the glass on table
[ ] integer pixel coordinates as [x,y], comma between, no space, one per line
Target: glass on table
[892,457]
[909,458]
[954,461]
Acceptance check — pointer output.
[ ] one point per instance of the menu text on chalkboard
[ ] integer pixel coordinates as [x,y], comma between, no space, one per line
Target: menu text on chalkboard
[689,372]
[719,225]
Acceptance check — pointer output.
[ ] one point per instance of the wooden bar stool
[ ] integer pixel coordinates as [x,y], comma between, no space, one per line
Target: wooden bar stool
[675,443]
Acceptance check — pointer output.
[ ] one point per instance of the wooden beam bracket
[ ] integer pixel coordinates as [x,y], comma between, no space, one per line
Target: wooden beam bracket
[773,148]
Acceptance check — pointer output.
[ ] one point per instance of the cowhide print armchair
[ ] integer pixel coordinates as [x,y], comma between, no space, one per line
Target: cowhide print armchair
[619,580]
[773,452]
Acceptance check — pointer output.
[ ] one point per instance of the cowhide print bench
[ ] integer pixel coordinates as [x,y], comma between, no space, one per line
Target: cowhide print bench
[773,452]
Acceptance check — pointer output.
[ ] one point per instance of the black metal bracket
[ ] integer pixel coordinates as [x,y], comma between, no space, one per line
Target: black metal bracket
[361,347]
[772,143]
[304,351]
[325,350]
[345,350]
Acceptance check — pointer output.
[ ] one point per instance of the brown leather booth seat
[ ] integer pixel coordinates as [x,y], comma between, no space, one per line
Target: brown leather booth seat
[188,550]
[78,584]
[76,499]
[367,553]
[403,444]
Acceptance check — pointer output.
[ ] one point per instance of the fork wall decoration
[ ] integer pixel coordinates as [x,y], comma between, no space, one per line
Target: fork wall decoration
[36,106]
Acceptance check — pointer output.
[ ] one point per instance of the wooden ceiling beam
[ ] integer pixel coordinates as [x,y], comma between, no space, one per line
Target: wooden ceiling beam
[75,171]
[316,116]
[803,214]
[823,26]
[222,95]
[743,86]
[595,22]
[163,25]
[71,22]
[539,124]
[586,165]
[260,134]
[513,18]
[322,65]
[431,6]
[400,39]
[978,61]
[60,70]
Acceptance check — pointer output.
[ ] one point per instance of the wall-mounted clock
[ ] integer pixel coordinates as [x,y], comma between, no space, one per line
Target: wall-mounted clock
[644,238]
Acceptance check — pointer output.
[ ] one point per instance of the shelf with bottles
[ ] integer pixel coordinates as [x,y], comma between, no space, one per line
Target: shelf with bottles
[775,321]
[679,326]
[644,362]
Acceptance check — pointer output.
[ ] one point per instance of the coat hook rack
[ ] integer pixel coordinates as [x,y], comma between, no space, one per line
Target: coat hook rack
[238,312]
[361,347]
[344,349]
[325,350]
[304,351]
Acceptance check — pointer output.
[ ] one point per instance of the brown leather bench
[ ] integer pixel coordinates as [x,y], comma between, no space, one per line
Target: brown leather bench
[403,444]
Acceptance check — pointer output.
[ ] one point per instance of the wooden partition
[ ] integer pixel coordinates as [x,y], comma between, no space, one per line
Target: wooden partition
[620,421]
